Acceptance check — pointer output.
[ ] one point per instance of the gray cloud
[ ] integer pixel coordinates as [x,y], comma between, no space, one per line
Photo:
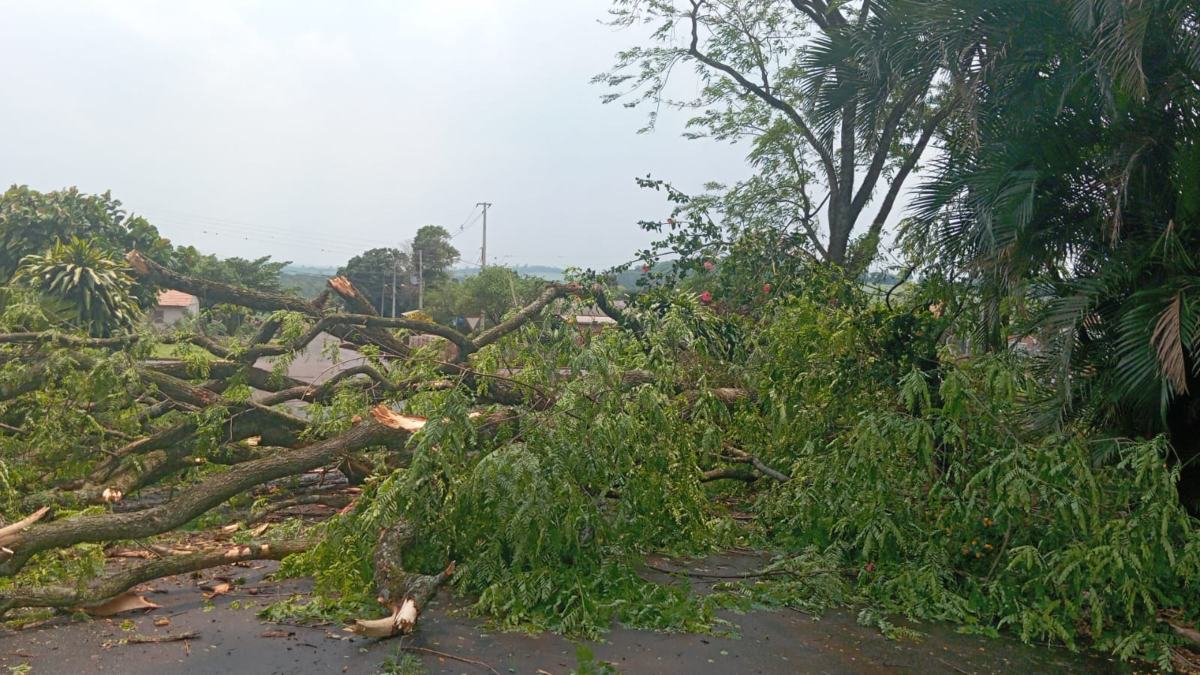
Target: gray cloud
[310,131]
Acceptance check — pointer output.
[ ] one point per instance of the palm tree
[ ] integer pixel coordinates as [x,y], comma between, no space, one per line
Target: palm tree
[96,288]
[1071,180]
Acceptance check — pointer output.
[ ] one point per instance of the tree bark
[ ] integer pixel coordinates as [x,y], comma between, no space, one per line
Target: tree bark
[405,592]
[111,585]
[197,500]
[214,292]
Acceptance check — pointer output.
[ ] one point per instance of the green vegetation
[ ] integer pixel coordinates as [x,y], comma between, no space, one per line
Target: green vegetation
[32,222]
[388,277]
[490,294]
[991,421]
[96,289]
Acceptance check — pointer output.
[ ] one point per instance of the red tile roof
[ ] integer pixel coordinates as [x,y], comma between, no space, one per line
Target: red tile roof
[175,299]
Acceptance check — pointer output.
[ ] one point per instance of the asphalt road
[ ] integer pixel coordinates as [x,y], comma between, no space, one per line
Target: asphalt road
[234,640]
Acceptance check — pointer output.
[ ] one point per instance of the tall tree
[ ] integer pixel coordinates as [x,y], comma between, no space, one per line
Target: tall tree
[1071,184]
[835,102]
[373,273]
[432,244]
[490,294]
[31,222]
[262,274]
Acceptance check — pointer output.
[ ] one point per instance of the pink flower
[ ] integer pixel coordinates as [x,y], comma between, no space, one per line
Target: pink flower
[766,288]
[708,265]
[645,269]
[706,297]
[870,567]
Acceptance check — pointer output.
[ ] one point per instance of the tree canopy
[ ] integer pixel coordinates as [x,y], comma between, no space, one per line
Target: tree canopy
[836,104]
[31,222]
[375,271]
[432,243]
[389,276]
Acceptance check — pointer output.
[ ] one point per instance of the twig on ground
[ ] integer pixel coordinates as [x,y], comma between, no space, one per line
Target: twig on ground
[1000,553]
[739,575]
[156,639]
[951,665]
[444,655]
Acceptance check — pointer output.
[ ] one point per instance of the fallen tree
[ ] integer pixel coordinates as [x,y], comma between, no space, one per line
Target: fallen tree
[111,585]
[173,415]
[198,499]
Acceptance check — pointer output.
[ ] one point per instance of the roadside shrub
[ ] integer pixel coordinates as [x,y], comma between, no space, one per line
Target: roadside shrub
[945,510]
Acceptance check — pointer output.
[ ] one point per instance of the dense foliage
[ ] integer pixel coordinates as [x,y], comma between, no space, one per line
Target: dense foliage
[1070,194]
[898,448]
[489,294]
[97,289]
[916,487]
[260,273]
[31,222]
[390,277]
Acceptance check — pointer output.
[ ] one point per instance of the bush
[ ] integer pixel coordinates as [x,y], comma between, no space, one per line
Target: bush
[946,511]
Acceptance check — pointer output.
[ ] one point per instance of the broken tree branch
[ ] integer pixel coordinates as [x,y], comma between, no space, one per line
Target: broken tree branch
[65,340]
[111,585]
[405,592]
[199,499]
[215,292]
[738,455]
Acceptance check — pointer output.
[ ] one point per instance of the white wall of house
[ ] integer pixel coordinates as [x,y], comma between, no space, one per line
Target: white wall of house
[171,315]
[313,364]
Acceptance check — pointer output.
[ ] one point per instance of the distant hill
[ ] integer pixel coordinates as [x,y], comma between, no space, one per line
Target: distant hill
[309,280]
[310,269]
[540,271]
[307,285]
[627,279]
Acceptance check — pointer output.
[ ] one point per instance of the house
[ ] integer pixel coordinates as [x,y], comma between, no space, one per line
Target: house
[320,360]
[589,319]
[173,307]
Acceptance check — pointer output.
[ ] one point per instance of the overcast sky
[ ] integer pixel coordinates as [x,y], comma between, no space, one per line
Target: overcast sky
[314,130]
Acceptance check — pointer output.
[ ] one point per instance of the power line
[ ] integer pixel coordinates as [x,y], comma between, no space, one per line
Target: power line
[237,227]
[190,231]
[266,236]
[464,222]
[212,227]
[466,227]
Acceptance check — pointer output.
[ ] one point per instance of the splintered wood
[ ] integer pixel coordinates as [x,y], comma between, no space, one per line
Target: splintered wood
[394,420]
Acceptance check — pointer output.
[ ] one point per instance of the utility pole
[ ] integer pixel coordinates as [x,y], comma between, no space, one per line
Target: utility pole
[483,251]
[393,285]
[420,279]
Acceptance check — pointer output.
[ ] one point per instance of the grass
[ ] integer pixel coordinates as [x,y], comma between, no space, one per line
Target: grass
[180,351]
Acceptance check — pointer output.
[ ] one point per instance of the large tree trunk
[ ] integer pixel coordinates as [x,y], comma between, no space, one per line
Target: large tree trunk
[110,585]
[197,500]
